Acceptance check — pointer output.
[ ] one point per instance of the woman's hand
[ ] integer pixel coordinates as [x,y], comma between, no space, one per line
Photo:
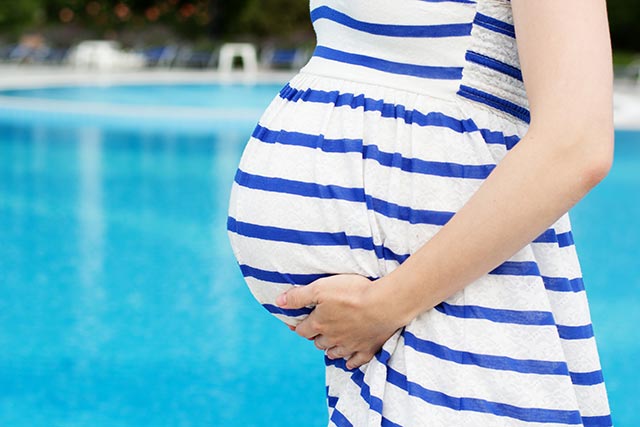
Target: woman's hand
[350,318]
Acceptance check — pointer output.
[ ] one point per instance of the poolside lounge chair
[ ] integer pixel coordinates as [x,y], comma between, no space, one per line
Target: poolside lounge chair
[103,55]
[160,56]
[288,58]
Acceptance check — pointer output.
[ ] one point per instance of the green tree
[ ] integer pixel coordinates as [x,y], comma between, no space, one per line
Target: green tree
[17,15]
[273,18]
[224,18]
[624,16]
[189,18]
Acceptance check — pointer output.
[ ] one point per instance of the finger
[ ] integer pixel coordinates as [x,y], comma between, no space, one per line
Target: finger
[292,328]
[298,297]
[318,343]
[305,328]
[338,352]
[322,342]
[358,359]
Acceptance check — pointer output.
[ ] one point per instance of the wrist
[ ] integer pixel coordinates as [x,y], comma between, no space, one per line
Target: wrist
[393,300]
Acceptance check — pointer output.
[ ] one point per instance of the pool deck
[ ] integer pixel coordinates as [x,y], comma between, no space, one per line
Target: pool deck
[33,77]
[626,94]
[18,77]
[626,105]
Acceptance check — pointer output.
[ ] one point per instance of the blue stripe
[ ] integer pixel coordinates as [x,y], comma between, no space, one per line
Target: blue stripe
[575,332]
[388,423]
[342,145]
[319,238]
[496,137]
[422,71]
[338,363]
[276,277]
[473,404]
[499,103]
[493,64]
[375,403]
[548,236]
[587,378]
[332,401]
[495,25]
[562,239]
[339,419]
[396,111]
[353,194]
[410,215]
[291,312]
[386,109]
[599,421]
[389,255]
[562,284]
[310,189]
[312,238]
[480,405]
[372,152]
[469,404]
[517,268]
[420,31]
[565,239]
[501,363]
[413,165]
[300,188]
[518,317]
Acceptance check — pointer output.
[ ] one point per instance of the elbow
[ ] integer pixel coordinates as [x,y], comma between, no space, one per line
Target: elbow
[600,151]
[596,169]
[601,165]
[593,155]
[582,147]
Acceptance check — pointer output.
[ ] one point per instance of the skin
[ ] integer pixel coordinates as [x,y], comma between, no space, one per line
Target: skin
[565,57]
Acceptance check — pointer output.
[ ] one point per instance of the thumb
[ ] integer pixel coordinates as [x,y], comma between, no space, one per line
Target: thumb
[297,297]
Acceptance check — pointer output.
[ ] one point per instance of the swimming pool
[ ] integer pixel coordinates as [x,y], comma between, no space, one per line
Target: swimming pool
[120,301]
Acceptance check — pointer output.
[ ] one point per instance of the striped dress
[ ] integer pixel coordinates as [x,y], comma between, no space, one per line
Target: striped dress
[404,109]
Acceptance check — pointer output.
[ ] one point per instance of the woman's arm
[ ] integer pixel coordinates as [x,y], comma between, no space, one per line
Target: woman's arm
[566,63]
[565,56]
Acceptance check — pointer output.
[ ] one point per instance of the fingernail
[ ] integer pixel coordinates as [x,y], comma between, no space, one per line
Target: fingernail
[281,300]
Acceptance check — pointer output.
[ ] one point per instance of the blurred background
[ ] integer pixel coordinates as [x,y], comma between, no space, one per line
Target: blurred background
[121,126]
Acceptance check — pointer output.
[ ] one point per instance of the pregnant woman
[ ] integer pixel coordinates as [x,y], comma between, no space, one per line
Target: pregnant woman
[403,202]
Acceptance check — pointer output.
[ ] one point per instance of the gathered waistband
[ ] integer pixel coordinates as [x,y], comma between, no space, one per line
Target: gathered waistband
[406,77]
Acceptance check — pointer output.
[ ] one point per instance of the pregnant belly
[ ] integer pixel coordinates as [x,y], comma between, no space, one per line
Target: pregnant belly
[290,224]
[323,189]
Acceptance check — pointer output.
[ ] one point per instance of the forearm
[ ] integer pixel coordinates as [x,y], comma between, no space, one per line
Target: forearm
[566,68]
[533,186]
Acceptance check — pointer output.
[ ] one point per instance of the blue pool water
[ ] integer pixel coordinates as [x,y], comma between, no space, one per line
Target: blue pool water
[122,305]
[187,95]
